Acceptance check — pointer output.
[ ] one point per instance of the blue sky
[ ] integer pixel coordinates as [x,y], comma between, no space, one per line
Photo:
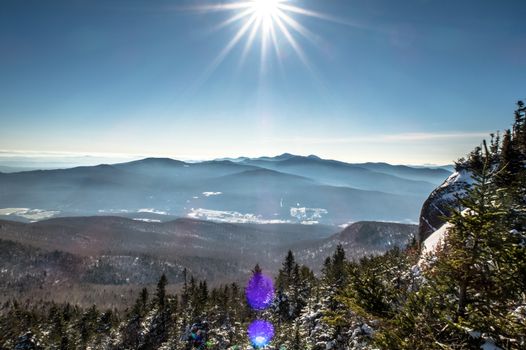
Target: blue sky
[414,81]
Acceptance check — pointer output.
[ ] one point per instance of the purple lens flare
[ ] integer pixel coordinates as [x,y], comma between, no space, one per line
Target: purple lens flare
[260,333]
[259,292]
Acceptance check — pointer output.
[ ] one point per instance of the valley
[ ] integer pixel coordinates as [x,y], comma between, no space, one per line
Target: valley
[105,260]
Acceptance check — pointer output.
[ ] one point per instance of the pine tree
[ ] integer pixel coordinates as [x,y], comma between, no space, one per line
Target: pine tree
[184,294]
[161,292]
[201,297]
[87,324]
[297,343]
[58,324]
[285,273]
[141,303]
[257,270]
[335,268]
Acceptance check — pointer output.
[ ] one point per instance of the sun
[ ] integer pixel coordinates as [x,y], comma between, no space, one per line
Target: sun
[266,9]
[274,22]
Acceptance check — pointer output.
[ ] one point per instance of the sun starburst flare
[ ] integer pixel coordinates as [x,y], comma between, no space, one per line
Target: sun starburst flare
[272,21]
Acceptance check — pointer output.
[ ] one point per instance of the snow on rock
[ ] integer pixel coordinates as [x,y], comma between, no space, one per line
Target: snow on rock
[429,246]
[462,176]
[435,240]
[489,345]
[437,204]
[367,330]
[330,345]
[520,313]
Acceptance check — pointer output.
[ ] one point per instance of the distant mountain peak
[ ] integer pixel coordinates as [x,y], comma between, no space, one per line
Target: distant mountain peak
[313,156]
[283,156]
[269,173]
[158,160]
[277,158]
[290,156]
[155,161]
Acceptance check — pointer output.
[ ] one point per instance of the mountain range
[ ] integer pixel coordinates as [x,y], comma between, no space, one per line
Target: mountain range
[282,189]
[103,231]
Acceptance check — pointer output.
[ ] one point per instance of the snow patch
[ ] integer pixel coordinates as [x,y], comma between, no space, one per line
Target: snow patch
[367,330]
[347,224]
[152,211]
[307,214]
[231,217]
[310,222]
[435,240]
[489,345]
[146,220]
[30,214]
[113,211]
[432,243]
[464,176]
[210,194]
[457,182]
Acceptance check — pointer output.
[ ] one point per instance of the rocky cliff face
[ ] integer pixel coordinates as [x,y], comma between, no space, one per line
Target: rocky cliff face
[437,206]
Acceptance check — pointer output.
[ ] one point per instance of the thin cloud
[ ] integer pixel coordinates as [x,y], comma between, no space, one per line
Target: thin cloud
[51,154]
[434,136]
[383,138]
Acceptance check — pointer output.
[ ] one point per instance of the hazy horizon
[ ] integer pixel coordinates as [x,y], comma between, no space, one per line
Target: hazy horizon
[51,160]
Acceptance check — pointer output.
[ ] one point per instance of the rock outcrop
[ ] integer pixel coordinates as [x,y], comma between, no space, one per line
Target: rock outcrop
[437,207]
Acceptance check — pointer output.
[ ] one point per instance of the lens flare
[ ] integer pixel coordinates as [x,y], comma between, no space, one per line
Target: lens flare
[260,333]
[259,291]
